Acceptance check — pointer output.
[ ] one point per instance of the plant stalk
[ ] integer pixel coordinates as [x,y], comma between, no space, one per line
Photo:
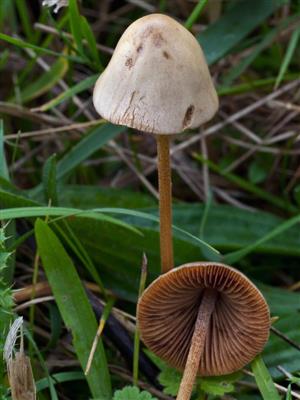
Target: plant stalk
[165,202]
[206,308]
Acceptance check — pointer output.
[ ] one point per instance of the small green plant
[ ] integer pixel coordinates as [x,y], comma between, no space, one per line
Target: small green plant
[132,393]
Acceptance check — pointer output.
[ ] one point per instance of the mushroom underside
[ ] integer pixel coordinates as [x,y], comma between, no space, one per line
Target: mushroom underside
[238,328]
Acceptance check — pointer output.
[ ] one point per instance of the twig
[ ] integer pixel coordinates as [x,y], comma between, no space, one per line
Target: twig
[285,338]
[79,126]
[280,388]
[234,117]
[50,29]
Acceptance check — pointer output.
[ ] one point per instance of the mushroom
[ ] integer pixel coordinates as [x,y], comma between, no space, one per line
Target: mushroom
[204,318]
[157,81]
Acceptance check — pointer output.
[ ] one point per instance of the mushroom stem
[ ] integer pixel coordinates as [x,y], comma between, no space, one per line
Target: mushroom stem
[197,344]
[165,202]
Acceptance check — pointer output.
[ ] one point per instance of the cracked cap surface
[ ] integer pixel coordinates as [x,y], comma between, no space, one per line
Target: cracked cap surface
[238,328]
[157,80]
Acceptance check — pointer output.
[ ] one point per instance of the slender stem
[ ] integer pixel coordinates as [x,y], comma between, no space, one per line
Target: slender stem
[165,202]
[197,344]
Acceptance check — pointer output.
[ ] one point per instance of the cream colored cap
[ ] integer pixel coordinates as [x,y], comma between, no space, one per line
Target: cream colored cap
[157,80]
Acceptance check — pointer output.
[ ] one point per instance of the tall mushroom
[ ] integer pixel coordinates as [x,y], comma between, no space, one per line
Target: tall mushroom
[157,81]
[205,318]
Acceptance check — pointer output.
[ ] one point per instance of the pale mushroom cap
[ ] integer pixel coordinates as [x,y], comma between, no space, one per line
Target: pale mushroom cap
[157,80]
[238,329]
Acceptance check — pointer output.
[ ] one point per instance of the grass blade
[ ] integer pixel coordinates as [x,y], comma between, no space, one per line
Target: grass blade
[222,36]
[288,56]
[248,186]
[195,14]
[24,212]
[45,82]
[238,255]
[263,44]
[97,138]
[22,44]
[78,88]
[92,44]
[97,213]
[3,165]
[74,307]
[49,180]
[75,24]
[264,380]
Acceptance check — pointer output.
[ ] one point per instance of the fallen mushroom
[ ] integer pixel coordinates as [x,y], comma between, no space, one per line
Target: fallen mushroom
[204,318]
[157,81]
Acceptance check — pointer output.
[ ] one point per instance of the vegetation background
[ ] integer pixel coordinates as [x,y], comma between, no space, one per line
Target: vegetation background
[236,187]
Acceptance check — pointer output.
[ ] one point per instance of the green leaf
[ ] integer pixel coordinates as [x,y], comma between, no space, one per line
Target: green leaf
[11,200]
[170,378]
[25,212]
[75,23]
[264,380]
[263,44]
[60,378]
[132,393]
[288,56]
[248,186]
[25,19]
[6,273]
[25,45]
[278,351]
[78,88]
[87,197]
[219,385]
[96,139]
[74,307]
[49,180]
[45,82]
[195,14]
[3,165]
[279,230]
[257,172]
[289,393]
[90,38]
[222,36]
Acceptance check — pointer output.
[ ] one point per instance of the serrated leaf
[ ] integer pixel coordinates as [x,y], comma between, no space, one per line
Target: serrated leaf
[170,378]
[132,393]
[219,385]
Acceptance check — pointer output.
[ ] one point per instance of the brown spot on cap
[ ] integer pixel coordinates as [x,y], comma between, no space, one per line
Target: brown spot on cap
[166,55]
[129,63]
[238,328]
[139,48]
[188,117]
[157,39]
